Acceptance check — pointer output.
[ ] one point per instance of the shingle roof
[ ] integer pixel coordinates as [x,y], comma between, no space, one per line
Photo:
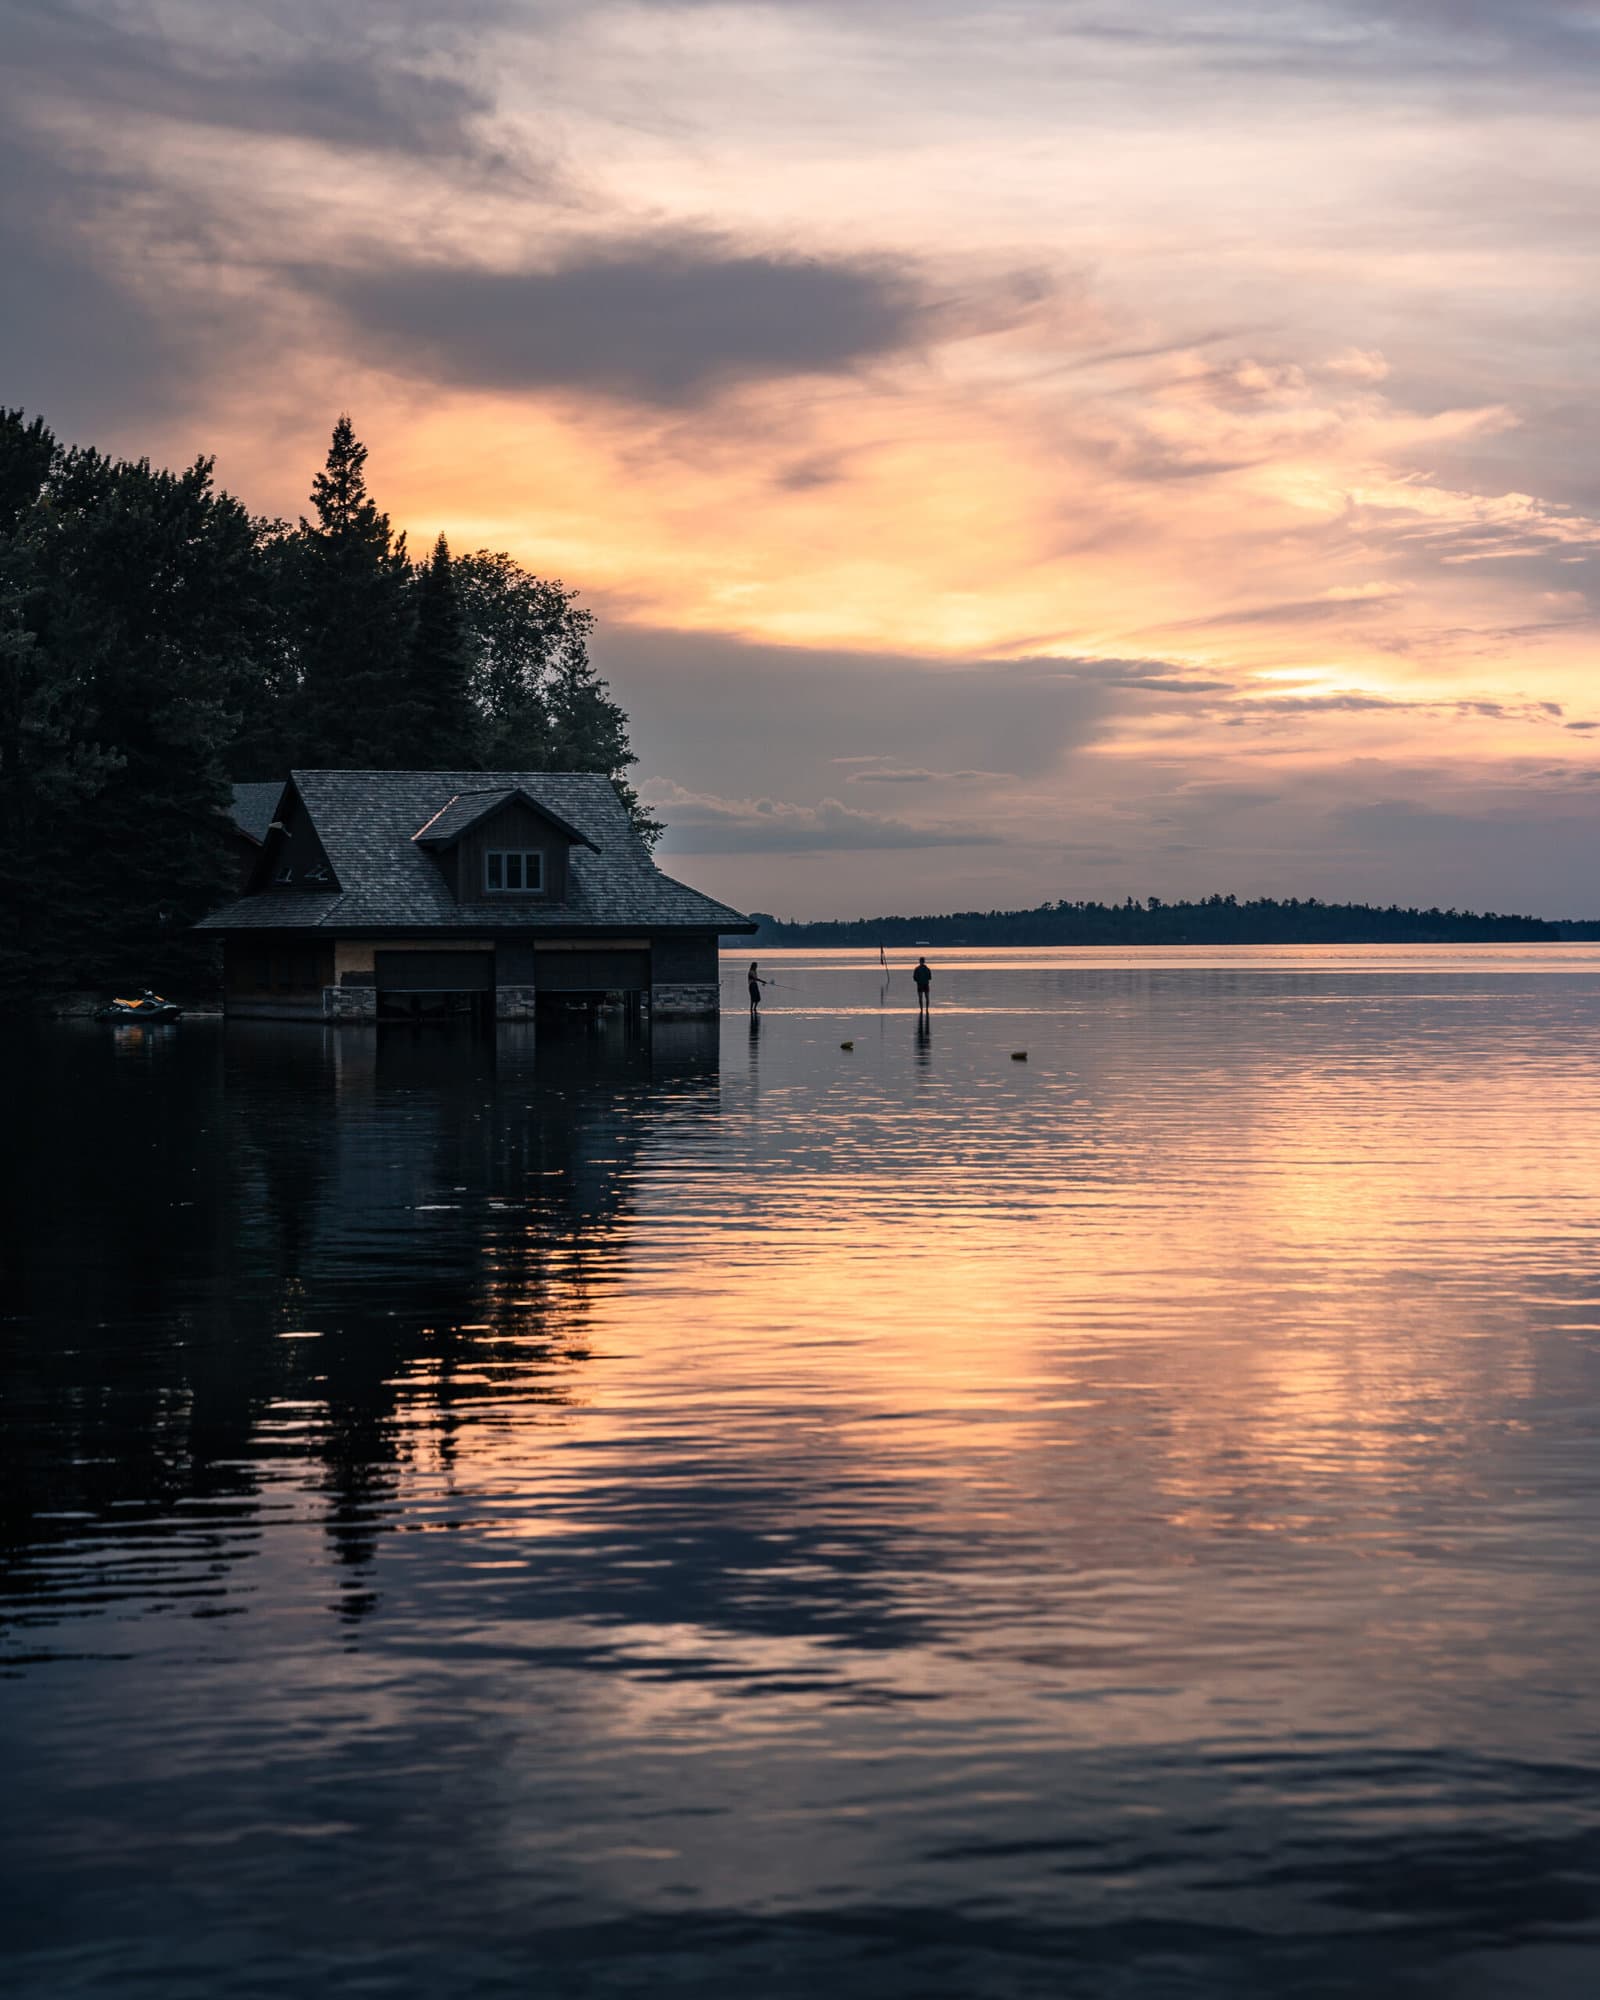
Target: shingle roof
[459,811]
[276,910]
[254,807]
[366,821]
[467,808]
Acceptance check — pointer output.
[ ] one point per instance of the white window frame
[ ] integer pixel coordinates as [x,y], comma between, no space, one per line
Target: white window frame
[530,866]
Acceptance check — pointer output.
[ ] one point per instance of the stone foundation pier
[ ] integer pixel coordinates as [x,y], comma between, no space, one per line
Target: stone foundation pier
[686,1000]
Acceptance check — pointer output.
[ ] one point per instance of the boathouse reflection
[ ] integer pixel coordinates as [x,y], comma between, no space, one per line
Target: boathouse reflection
[328,1228]
[468,1201]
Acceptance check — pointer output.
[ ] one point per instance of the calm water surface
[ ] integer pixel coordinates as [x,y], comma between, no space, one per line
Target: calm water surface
[587,1517]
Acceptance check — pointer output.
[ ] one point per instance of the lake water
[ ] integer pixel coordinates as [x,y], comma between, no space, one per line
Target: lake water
[582,1516]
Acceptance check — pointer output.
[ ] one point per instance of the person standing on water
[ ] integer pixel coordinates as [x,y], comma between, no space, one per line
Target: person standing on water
[923,975]
[756,984]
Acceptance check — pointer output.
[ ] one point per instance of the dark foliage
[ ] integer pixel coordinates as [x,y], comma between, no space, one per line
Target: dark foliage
[352,609]
[133,604]
[539,703]
[1212,920]
[436,724]
[157,644]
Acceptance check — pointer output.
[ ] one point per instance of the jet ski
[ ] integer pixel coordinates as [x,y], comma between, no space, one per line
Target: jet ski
[146,1006]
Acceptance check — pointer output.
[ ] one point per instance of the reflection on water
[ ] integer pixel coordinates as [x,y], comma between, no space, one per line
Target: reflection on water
[593,1517]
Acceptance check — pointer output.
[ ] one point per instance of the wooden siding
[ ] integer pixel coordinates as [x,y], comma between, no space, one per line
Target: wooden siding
[261,965]
[592,969]
[435,971]
[513,961]
[686,961]
[513,827]
[359,955]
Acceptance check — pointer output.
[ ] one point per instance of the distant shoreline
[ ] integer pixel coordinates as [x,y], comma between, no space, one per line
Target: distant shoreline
[1217,920]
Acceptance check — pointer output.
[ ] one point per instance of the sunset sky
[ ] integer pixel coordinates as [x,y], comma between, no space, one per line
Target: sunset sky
[1039,450]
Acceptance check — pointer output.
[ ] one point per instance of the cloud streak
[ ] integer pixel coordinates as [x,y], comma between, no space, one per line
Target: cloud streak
[658,320]
[262,74]
[707,825]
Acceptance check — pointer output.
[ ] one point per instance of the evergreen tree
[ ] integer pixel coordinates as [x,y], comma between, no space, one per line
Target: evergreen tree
[269,702]
[48,765]
[131,610]
[354,617]
[438,719]
[156,606]
[27,452]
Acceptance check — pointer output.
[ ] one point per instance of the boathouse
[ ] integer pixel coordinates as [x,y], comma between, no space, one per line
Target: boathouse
[370,895]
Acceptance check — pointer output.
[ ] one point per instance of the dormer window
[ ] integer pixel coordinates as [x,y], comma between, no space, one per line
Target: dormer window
[513,871]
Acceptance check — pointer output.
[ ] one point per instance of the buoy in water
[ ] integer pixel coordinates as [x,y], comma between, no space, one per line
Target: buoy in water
[1019,1055]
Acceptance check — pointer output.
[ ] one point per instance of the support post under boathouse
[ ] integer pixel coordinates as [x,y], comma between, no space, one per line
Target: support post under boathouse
[395,895]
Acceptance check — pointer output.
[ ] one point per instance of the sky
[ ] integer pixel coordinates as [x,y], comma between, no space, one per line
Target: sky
[1042,450]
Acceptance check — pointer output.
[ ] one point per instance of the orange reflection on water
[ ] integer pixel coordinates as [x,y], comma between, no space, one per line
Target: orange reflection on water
[1225,1258]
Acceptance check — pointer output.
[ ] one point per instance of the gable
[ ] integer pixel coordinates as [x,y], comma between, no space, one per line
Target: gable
[520,823]
[465,811]
[516,826]
[292,856]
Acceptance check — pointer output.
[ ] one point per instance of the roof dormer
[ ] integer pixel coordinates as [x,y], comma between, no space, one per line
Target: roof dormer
[501,846]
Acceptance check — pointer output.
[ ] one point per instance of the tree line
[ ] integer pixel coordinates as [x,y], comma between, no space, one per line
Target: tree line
[1208,920]
[159,644]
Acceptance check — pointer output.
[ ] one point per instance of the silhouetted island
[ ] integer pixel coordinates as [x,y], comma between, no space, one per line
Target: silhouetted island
[1212,920]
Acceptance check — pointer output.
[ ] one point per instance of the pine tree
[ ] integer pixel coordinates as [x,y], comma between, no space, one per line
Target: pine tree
[438,719]
[268,702]
[131,610]
[354,619]
[49,765]
[27,452]
[156,607]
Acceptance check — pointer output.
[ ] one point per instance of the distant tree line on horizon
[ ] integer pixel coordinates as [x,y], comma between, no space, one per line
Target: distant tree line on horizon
[159,644]
[1209,920]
